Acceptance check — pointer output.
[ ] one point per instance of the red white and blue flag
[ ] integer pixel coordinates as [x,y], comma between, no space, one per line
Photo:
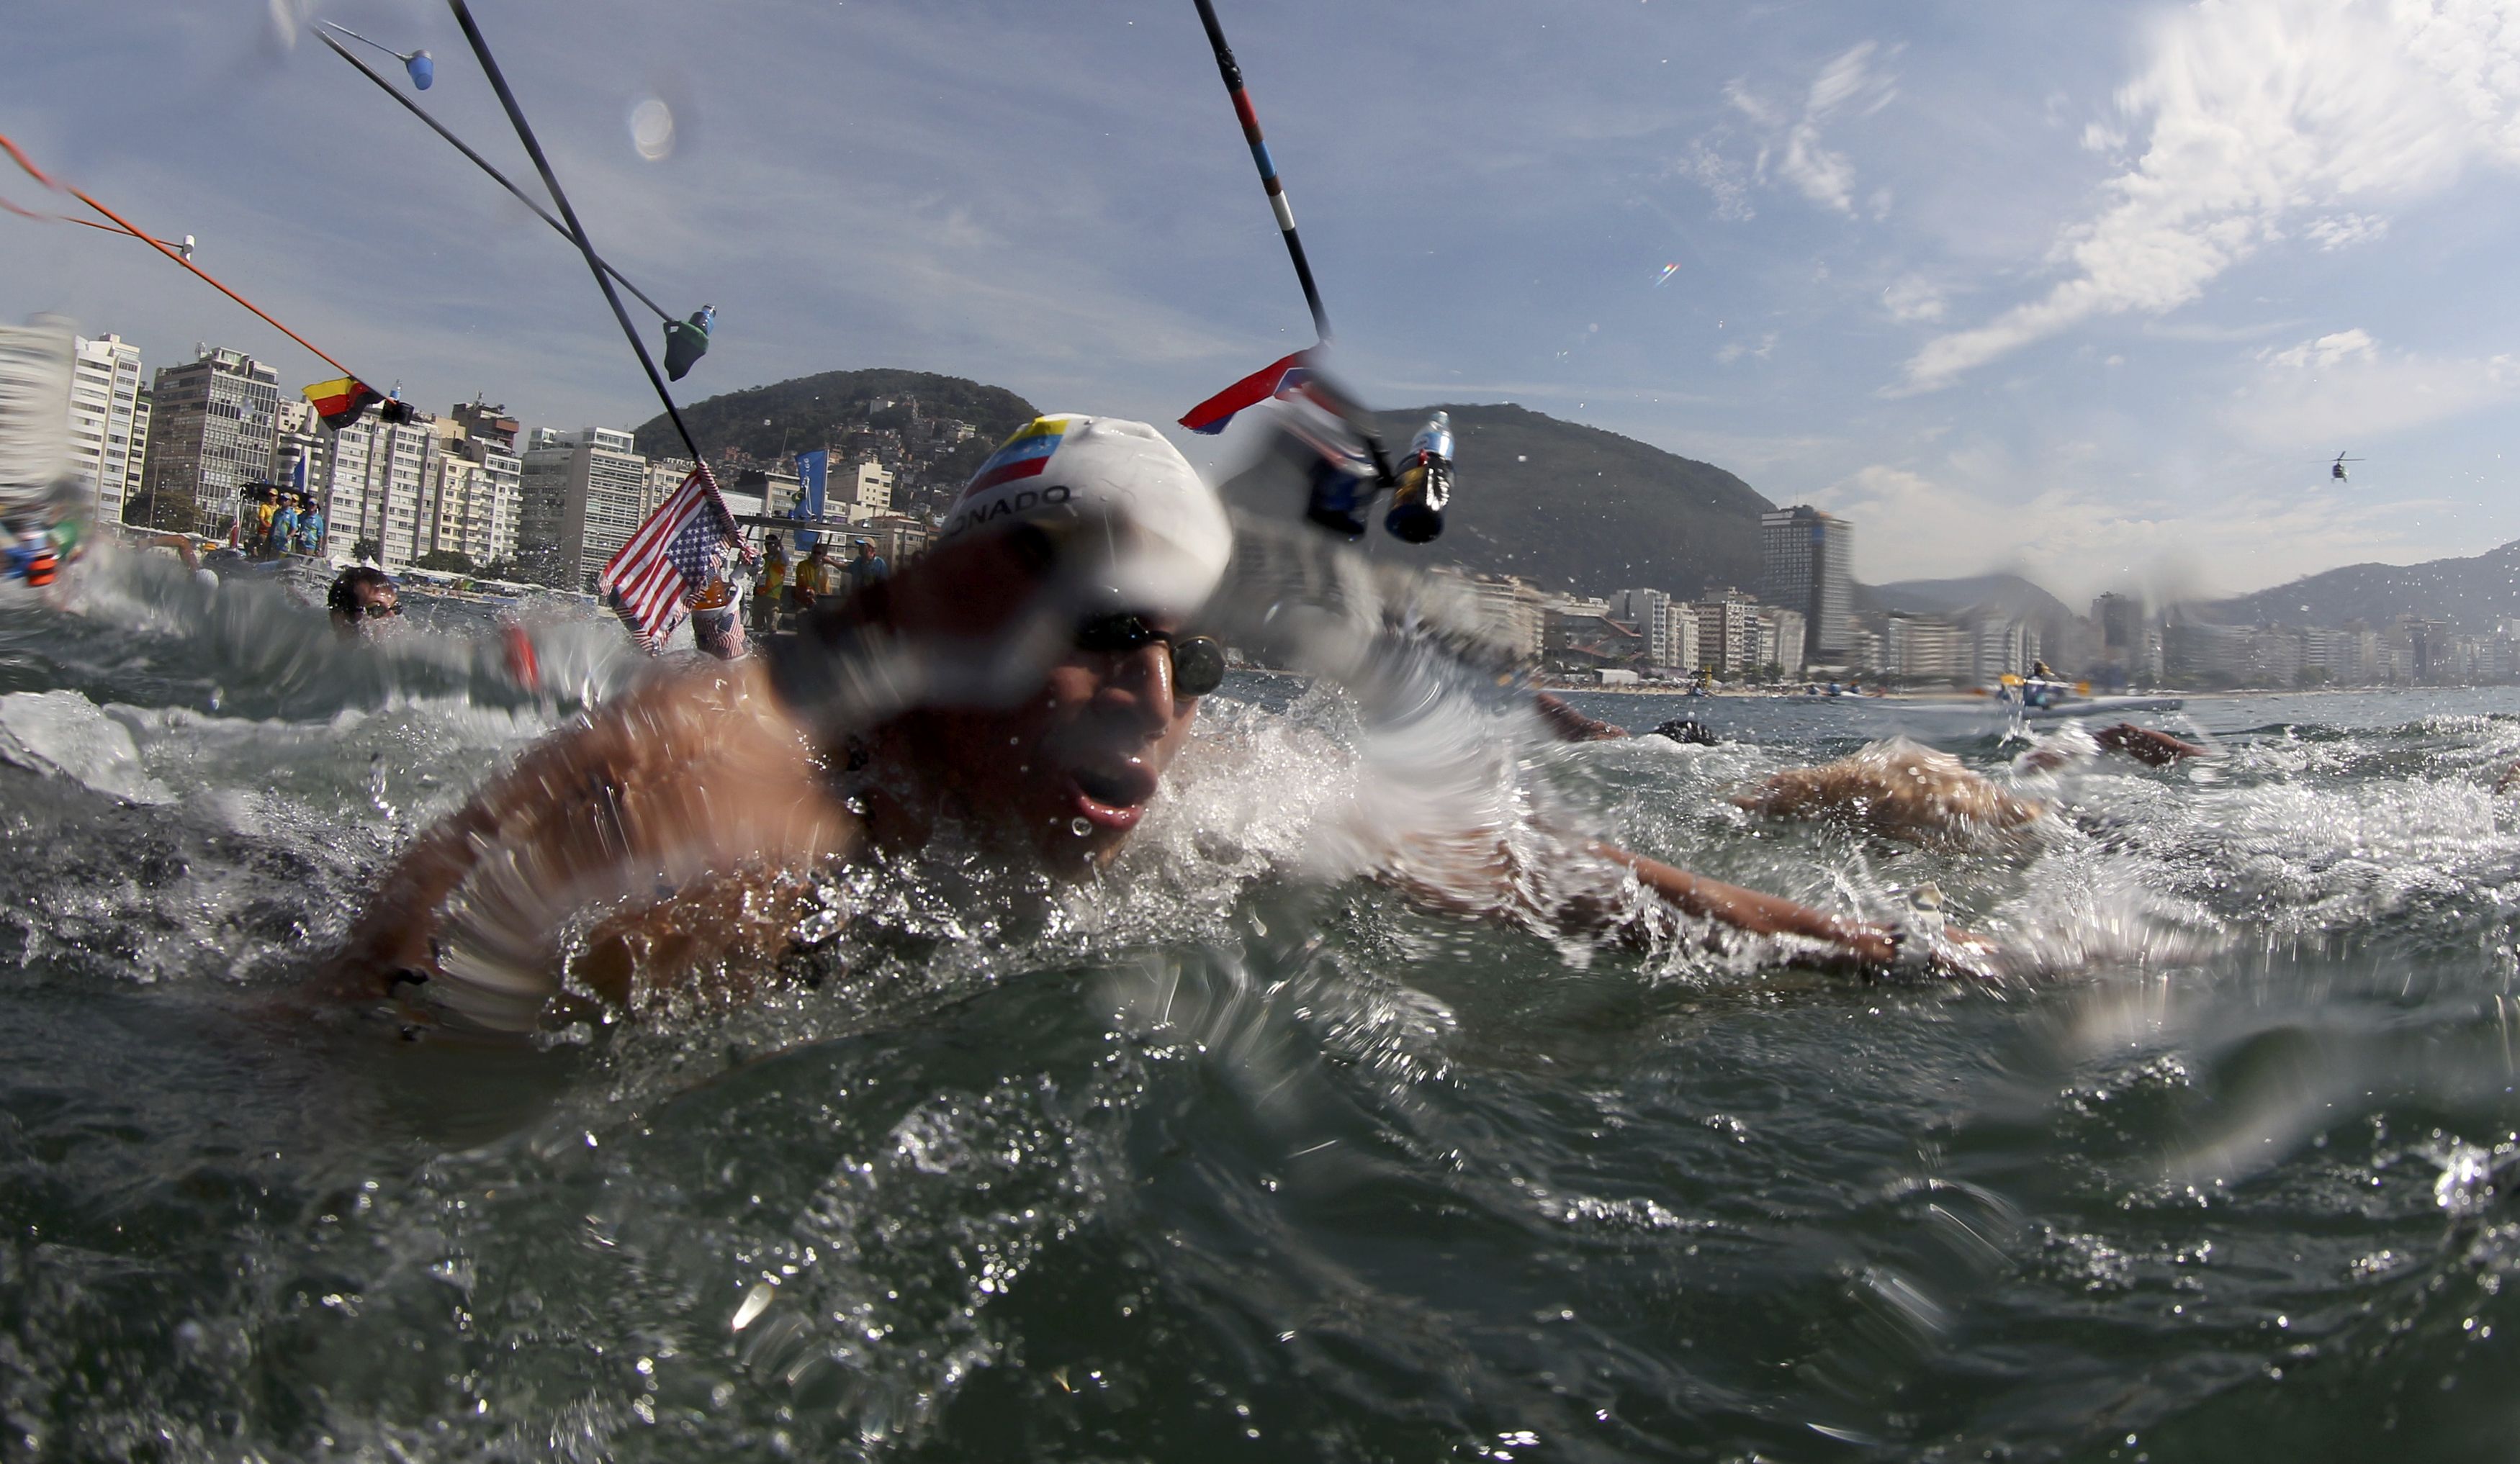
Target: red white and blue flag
[1276,378]
[670,560]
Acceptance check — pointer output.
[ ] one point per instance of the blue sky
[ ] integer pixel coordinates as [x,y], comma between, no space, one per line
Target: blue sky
[2084,292]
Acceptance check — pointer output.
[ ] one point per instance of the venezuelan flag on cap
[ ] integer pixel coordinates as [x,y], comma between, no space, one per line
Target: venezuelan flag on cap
[339,402]
[1021,456]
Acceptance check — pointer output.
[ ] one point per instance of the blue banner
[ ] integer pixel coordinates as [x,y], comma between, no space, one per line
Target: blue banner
[814,469]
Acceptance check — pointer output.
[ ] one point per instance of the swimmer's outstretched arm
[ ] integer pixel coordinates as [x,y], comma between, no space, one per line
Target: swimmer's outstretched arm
[1865,945]
[2146,745]
[687,778]
[1475,874]
[1568,725]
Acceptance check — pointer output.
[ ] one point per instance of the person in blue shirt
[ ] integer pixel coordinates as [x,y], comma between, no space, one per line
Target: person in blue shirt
[868,567]
[310,526]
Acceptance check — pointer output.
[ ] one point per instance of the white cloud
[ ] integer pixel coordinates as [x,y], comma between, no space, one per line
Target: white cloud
[1736,350]
[1913,298]
[1795,143]
[1728,183]
[2255,110]
[1826,177]
[2342,231]
[2080,541]
[2325,393]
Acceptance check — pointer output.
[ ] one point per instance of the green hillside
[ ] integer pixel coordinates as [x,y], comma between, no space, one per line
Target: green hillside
[1556,502]
[1570,505]
[802,414]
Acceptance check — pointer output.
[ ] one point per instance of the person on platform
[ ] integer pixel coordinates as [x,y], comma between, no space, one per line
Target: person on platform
[283,524]
[868,567]
[812,577]
[310,526]
[1029,682]
[266,507]
[769,586]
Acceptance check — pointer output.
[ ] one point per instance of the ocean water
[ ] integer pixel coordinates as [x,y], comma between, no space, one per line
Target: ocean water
[1238,1153]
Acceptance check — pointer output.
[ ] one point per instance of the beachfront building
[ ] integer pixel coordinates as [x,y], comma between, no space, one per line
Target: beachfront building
[1511,610]
[1649,611]
[1805,566]
[378,485]
[1680,637]
[862,491]
[1782,635]
[472,500]
[1999,646]
[581,495]
[212,425]
[1925,648]
[109,421]
[299,443]
[1728,633]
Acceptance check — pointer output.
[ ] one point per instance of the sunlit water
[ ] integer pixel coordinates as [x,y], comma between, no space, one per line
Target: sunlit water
[1235,1153]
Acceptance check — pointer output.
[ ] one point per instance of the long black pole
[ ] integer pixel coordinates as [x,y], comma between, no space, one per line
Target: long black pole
[483,164]
[577,231]
[1232,70]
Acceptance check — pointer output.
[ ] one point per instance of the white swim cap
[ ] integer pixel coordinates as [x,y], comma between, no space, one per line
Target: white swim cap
[1163,530]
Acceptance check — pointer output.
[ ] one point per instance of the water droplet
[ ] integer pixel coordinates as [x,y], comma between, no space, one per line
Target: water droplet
[1079,827]
[652,130]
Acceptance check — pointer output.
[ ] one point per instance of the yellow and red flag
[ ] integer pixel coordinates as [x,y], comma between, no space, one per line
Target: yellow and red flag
[339,402]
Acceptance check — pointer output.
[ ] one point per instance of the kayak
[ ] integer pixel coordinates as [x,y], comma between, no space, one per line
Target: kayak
[2099,706]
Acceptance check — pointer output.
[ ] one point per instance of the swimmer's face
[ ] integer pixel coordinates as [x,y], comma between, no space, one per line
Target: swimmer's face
[1073,766]
[373,609]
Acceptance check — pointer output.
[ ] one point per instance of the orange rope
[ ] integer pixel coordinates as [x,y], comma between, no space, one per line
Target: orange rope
[167,250]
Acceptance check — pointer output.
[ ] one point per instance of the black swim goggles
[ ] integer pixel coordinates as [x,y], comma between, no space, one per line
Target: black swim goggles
[379,610]
[1198,662]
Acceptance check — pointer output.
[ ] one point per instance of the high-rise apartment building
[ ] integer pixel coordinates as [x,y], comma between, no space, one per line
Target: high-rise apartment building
[1680,637]
[1649,611]
[1779,641]
[1804,567]
[581,495]
[864,490]
[1727,632]
[377,484]
[211,430]
[472,504]
[35,373]
[108,426]
[298,447]
[486,427]
[475,487]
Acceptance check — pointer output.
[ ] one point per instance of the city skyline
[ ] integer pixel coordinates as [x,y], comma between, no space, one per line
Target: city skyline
[2040,332]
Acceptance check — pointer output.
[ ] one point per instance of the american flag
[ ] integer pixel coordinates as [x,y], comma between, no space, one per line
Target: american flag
[671,558]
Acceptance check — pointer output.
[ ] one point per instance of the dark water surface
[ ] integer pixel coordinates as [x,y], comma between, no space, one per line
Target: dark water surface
[1233,1155]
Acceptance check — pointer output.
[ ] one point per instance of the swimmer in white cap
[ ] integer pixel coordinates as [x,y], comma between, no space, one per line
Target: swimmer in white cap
[1033,675]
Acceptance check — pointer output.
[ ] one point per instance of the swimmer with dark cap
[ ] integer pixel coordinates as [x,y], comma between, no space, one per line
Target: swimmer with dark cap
[1031,677]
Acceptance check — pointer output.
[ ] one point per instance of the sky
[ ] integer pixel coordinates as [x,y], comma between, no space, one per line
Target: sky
[2087,292]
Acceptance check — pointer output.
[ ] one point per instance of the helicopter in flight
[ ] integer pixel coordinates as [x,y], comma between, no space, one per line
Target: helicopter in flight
[2336,469]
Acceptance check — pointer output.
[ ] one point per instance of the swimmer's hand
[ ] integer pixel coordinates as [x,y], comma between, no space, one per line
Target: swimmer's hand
[2159,749]
[1571,726]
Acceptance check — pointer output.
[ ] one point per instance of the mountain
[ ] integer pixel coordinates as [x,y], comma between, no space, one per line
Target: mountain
[802,414]
[1555,501]
[2009,593]
[2473,594]
[1568,506]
